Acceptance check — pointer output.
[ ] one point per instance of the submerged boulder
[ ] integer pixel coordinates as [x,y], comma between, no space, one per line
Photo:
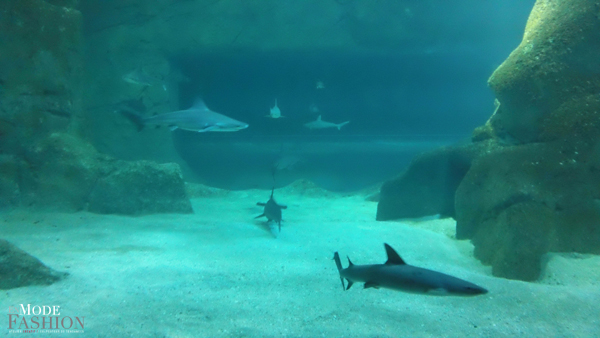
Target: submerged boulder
[520,202]
[18,269]
[548,87]
[140,187]
[63,172]
[429,184]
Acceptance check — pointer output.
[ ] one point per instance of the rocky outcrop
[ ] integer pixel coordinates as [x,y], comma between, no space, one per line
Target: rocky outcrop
[536,188]
[140,187]
[540,195]
[548,86]
[520,202]
[18,269]
[429,184]
[68,174]
[45,161]
[40,54]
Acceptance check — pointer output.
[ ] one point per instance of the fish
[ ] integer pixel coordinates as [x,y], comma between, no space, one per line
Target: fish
[395,274]
[320,85]
[275,113]
[138,77]
[197,118]
[320,124]
[272,210]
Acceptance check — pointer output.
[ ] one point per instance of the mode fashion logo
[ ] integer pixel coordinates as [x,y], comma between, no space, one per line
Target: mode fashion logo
[27,318]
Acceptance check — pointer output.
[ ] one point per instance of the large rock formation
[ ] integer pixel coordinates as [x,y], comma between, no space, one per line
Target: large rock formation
[521,202]
[40,72]
[45,160]
[429,184]
[66,173]
[542,194]
[548,86]
[18,269]
[537,189]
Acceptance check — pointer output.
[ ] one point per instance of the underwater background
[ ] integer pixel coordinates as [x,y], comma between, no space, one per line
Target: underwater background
[188,168]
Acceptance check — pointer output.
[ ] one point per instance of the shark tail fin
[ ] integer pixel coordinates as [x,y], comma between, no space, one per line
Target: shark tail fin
[134,117]
[338,263]
[339,126]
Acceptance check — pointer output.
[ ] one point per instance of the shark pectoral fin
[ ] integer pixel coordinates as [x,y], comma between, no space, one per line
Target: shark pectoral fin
[172,128]
[282,206]
[209,128]
[371,285]
[259,216]
[349,284]
[261,204]
[438,292]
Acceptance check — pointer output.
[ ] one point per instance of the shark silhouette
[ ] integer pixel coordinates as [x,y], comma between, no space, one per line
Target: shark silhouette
[320,124]
[272,210]
[395,274]
[197,118]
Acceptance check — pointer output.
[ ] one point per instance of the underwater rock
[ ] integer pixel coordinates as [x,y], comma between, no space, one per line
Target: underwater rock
[518,203]
[66,173]
[428,186]
[18,269]
[548,87]
[140,187]
[9,188]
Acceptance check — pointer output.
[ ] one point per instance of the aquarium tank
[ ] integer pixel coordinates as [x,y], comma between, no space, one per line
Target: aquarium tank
[299,168]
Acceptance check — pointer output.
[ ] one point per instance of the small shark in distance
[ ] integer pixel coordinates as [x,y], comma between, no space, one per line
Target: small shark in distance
[197,118]
[138,77]
[272,210]
[275,113]
[320,124]
[395,274]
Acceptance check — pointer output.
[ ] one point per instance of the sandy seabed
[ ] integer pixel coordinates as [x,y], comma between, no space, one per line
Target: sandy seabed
[220,273]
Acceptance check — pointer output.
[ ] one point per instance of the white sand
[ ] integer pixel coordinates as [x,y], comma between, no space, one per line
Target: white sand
[219,273]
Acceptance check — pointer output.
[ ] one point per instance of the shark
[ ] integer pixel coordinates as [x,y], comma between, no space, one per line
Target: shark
[197,118]
[272,210]
[320,124]
[395,274]
[274,112]
[138,77]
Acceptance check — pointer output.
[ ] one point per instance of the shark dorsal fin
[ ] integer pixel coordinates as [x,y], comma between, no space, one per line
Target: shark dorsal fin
[349,262]
[319,118]
[393,257]
[199,104]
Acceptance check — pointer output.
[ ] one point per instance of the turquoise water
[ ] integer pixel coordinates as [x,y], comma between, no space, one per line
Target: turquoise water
[121,219]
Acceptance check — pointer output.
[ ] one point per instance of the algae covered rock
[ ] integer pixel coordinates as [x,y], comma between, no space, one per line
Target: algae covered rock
[66,173]
[553,70]
[520,202]
[428,186]
[18,269]
[140,187]
[9,188]
[41,65]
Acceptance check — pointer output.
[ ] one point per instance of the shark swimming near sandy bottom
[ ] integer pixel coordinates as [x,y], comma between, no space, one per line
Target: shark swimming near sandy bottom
[320,124]
[197,118]
[139,77]
[272,210]
[395,274]
[274,112]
